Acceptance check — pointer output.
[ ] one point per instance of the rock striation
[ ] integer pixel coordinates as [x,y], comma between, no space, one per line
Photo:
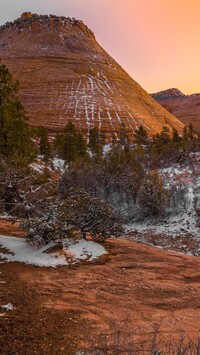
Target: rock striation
[185,107]
[65,74]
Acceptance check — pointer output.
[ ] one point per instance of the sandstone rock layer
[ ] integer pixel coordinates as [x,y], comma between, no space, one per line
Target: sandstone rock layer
[65,74]
[185,107]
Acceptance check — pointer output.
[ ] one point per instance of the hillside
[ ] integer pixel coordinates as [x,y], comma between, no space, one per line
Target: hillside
[185,107]
[65,74]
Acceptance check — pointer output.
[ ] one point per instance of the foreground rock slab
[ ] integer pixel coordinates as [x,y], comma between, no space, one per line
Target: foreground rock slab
[134,285]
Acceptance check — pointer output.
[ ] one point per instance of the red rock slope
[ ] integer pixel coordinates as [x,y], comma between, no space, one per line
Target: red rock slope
[185,107]
[135,288]
[64,73]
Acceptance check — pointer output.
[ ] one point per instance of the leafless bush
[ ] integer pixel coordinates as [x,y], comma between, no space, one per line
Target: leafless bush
[124,342]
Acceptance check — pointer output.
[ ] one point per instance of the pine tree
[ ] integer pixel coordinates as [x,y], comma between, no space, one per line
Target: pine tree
[124,141]
[70,145]
[175,136]
[189,136]
[141,136]
[96,141]
[81,147]
[191,132]
[44,145]
[16,144]
[8,87]
[165,135]
[185,133]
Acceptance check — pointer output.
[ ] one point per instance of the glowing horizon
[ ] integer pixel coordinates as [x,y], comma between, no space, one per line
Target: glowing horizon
[156,42]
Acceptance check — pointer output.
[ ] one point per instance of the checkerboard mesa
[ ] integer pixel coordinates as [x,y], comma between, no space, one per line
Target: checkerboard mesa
[65,74]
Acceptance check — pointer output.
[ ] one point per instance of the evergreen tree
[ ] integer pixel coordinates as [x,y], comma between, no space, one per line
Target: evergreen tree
[96,141]
[70,145]
[81,146]
[190,137]
[123,140]
[113,139]
[44,145]
[191,132]
[185,133]
[141,136]
[175,136]
[165,135]
[16,144]
[8,87]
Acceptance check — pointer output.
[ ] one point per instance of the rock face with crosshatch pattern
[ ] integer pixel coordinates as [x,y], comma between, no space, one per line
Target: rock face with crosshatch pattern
[185,107]
[65,74]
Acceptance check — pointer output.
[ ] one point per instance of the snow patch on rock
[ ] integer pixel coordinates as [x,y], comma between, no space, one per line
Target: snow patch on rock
[7,307]
[19,250]
[84,250]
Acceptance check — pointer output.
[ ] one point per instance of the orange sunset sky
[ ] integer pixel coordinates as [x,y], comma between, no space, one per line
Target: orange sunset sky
[156,41]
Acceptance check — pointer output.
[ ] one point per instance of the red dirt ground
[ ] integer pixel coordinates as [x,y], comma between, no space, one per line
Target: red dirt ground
[56,311]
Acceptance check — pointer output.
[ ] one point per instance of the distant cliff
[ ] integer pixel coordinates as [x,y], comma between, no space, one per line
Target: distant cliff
[185,107]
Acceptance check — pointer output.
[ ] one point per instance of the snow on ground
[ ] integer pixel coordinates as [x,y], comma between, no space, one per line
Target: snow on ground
[183,221]
[7,307]
[19,250]
[38,167]
[176,225]
[84,249]
[58,164]
[106,148]
[4,215]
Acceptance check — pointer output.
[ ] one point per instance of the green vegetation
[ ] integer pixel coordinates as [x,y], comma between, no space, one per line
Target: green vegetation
[44,145]
[153,198]
[141,136]
[16,144]
[95,189]
[70,145]
[96,142]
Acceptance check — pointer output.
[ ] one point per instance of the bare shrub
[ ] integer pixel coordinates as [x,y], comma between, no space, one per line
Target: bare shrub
[121,341]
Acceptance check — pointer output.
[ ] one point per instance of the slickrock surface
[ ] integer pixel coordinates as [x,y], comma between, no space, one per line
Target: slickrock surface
[65,74]
[185,107]
[134,286]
